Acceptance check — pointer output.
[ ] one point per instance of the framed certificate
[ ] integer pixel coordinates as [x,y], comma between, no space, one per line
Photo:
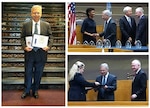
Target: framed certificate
[29,41]
[39,41]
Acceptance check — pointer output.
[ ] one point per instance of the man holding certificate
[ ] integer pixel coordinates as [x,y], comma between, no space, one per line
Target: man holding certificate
[36,40]
[108,81]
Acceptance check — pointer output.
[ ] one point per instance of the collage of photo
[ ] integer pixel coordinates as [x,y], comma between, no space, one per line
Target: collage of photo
[75,54]
[104,64]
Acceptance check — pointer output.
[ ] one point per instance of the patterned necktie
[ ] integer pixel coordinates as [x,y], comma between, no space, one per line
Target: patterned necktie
[129,20]
[35,32]
[102,90]
[36,29]
[103,80]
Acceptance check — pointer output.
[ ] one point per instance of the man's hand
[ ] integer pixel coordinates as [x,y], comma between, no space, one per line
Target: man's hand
[46,48]
[105,87]
[130,39]
[133,96]
[97,83]
[28,49]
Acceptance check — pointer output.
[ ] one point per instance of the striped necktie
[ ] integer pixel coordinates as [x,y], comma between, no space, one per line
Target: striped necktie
[35,32]
[36,29]
[129,20]
[103,80]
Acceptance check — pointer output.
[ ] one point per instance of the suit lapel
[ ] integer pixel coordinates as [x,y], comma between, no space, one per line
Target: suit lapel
[41,26]
[136,75]
[101,79]
[127,23]
[107,79]
[107,26]
[30,26]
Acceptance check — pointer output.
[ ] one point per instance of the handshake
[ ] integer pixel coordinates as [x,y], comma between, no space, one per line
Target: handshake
[94,34]
[89,88]
[97,83]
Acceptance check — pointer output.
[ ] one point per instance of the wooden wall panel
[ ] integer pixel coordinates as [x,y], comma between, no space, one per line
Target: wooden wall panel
[122,93]
[99,30]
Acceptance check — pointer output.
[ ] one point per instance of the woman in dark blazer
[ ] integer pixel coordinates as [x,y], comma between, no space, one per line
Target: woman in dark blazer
[77,83]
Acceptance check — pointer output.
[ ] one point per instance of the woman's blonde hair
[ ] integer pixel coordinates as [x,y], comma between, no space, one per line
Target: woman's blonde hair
[74,69]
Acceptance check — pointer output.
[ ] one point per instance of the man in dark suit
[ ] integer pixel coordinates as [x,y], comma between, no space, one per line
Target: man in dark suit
[142,27]
[139,83]
[35,57]
[127,26]
[110,28]
[108,84]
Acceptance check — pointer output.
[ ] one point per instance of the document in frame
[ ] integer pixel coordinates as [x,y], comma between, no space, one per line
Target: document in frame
[39,41]
[29,41]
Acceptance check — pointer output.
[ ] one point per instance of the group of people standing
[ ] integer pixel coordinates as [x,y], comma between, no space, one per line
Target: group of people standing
[130,30]
[105,83]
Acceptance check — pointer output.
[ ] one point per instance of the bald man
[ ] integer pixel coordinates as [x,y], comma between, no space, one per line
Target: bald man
[139,83]
[35,58]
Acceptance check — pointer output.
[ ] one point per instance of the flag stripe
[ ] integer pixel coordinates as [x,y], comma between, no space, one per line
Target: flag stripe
[108,6]
[72,23]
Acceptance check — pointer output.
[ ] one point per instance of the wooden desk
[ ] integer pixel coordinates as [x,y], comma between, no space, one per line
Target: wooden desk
[89,48]
[84,50]
[81,46]
[114,103]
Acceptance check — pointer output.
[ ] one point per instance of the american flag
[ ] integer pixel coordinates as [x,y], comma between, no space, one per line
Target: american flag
[108,6]
[72,23]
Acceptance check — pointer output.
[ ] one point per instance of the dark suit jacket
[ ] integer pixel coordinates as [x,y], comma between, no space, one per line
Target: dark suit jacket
[142,31]
[126,30]
[139,85]
[45,29]
[110,32]
[109,92]
[77,90]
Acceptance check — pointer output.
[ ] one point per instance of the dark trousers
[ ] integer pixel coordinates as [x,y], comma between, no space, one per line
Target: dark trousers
[34,65]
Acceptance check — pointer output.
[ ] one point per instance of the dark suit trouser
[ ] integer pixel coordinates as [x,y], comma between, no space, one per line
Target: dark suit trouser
[34,66]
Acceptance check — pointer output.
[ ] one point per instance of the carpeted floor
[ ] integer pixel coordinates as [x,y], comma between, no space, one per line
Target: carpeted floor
[46,98]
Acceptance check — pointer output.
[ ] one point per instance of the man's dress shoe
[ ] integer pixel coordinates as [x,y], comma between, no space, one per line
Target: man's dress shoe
[24,95]
[35,95]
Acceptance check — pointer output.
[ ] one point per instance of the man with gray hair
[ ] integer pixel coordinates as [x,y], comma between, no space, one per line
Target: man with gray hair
[108,84]
[142,27]
[127,26]
[110,28]
[139,83]
[35,57]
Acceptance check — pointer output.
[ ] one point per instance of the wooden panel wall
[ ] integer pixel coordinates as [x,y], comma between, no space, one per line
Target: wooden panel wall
[122,93]
[99,30]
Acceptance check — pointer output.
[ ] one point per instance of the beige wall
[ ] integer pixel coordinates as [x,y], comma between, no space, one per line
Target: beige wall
[119,65]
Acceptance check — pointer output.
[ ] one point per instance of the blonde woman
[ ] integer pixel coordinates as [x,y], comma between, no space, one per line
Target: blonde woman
[77,83]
